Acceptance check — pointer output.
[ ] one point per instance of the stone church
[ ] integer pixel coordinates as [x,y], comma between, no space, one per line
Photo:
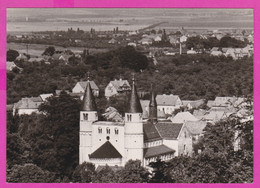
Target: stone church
[114,143]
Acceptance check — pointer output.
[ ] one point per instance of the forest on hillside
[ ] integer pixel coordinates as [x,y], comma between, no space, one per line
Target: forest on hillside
[189,76]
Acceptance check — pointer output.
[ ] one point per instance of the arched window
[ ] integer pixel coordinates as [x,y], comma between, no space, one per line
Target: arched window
[116,131]
[130,117]
[108,130]
[99,130]
[85,116]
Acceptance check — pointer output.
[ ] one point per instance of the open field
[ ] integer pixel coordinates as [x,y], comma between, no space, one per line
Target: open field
[38,49]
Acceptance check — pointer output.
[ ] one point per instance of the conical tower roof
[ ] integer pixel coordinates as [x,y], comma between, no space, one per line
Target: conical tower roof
[153,106]
[134,102]
[89,103]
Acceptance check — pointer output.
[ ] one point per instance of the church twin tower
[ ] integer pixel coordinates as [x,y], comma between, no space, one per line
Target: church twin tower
[112,143]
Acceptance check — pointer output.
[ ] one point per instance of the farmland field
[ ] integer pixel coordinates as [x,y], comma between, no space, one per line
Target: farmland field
[38,49]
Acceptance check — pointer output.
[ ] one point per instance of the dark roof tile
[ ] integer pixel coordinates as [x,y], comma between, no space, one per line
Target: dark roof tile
[157,150]
[106,151]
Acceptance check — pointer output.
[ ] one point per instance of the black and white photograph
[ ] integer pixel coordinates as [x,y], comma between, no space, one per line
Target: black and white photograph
[129,95]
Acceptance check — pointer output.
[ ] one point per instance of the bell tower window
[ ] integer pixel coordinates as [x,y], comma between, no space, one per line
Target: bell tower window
[116,131]
[85,116]
[108,131]
[99,130]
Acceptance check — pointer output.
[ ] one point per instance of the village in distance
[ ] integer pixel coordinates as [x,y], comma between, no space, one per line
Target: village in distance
[142,97]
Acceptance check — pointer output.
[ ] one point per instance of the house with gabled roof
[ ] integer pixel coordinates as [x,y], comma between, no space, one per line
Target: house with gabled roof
[116,87]
[80,87]
[27,105]
[182,117]
[196,128]
[168,103]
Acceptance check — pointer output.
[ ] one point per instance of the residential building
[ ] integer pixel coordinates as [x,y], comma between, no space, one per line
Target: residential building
[80,87]
[117,87]
[182,117]
[168,103]
[27,106]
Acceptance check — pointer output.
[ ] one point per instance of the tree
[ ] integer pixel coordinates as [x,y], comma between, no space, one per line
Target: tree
[133,172]
[29,173]
[11,55]
[84,173]
[17,150]
[106,175]
[62,118]
[49,51]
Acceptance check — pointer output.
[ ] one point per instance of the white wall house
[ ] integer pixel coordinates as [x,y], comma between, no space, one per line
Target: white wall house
[27,106]
[117,87]
[81,86]
[168,103]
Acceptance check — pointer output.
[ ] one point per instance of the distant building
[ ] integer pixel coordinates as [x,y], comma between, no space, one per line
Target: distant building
[27,106]
[80,87]
[192,104]
[132,44]
[191,51]
[117,87]
[182,117]
[214,116]
[61,57]
[227,104]
[22,57]
[112,41]
[183,38]
[146,41]
[168,103]
[10,65]
[196,128]
[36,59]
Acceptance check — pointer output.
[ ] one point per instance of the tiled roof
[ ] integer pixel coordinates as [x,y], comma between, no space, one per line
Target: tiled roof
[214,115]
[194,104]
[112,114]
[210,103]
[45,96]
[195,127]
[183,116]
[28,103]
[169,130]
[167,100]
[157,151]
[150,132]
[106,151]
[120,84]
[92,84]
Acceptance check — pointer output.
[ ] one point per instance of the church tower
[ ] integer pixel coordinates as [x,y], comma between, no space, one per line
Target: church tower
[134,135]
[152,107]
[88,115]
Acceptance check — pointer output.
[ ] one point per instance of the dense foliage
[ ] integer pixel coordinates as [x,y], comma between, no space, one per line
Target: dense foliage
[189,76]
[49,140]
[11,55]
[225,42]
